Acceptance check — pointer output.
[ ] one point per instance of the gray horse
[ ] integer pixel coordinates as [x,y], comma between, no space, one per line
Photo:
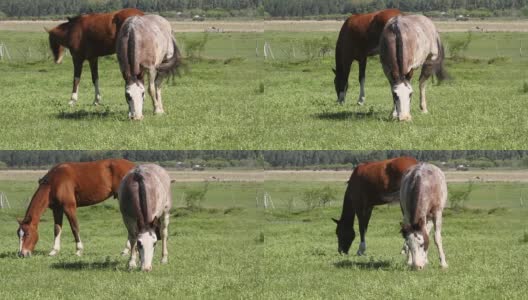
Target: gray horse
[423,195]
[407,43]
[145,43]
[145,200]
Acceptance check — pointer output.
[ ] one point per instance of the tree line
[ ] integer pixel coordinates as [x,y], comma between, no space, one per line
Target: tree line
[252,8]
[257,159]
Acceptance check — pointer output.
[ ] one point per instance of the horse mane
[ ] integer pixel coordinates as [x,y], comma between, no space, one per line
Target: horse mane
[171,66]
[140,179]
[399,46]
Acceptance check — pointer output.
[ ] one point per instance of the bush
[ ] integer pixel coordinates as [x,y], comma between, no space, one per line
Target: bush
[194,198]
[195,47]
[318,197]
[458,198]
[457,46]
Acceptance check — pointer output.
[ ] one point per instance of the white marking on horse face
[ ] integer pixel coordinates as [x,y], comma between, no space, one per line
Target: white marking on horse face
[146,243]
[403,92]
[416,248]
[135,95]
[20,239]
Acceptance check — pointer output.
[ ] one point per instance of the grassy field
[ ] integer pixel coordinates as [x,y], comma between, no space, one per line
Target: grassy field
[236,100]
[232,249]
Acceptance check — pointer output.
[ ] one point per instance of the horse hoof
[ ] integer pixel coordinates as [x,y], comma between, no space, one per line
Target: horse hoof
[361,102]
[165,260]
[159,112]
[78,253]
[72,102]
[53,252]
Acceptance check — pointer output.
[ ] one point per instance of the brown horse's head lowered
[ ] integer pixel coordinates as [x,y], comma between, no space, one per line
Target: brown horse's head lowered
[64,188]
[371,183]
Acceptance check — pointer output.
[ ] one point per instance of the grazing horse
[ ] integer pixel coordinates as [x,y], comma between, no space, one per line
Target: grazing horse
[145,201]
[88,37]
[371,183]
[145,43]
[423,195]
[64,188]
[358,39]
[407,43]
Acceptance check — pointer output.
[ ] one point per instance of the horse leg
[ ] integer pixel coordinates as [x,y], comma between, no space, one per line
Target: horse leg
[133,253]
[77,70]
[57,217]
[95,79]
[158,107]
[427,71]
[362,68]
[71,214]
[438,238]
[164,236]
[363,219]
[127,248]
[158,83]
[429,226]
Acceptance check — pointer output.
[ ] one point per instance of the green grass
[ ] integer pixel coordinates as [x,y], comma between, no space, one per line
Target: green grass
[246,252]
[235,100]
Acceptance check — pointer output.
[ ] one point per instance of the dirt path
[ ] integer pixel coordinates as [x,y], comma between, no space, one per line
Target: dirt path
[291,26]
[289,175]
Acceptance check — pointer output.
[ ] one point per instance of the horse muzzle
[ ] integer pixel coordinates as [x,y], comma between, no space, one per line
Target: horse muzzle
[405,118]
[24,253]
[135,117]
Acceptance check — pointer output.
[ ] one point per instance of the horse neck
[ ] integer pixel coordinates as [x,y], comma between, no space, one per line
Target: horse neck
[348,211]
[38,205]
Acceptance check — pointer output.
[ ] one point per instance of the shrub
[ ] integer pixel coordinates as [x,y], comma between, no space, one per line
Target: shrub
[457,46]
[458,198]
[195,47]
[195,197]
[318,197]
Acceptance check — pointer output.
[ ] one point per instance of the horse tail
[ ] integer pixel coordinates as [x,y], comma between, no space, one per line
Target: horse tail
[131,53]
[439,68]
[170,67]
[399,46]
[138,177]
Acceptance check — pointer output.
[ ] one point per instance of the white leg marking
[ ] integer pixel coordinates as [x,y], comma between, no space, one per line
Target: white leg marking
[126,251]
[361,99]
[423,102]
[56,244]
[80,248]
[362,248]
[74,96]
[97,99]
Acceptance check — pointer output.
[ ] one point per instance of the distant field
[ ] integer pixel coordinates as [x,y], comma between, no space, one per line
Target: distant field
[235,249]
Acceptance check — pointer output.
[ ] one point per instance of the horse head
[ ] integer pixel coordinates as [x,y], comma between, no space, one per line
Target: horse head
[341,86]
[55,43]
[417,242]
[28,237]
[146,242]
[135,97]
[345,236]
[402,95]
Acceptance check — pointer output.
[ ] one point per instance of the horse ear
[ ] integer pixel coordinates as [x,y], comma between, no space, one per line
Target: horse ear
[69,19]
[46,29]
[19,221]
[336,221]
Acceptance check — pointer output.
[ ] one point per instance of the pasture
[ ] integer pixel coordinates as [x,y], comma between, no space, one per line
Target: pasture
[232,249]
[232,99]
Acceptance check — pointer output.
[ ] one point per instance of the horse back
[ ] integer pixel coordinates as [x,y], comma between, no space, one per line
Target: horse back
[372,181]
[86,183]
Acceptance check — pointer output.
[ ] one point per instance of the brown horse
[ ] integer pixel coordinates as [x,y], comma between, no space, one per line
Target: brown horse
[423,196]
[64,188]
[88,37]
[371,183]
[358,39]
